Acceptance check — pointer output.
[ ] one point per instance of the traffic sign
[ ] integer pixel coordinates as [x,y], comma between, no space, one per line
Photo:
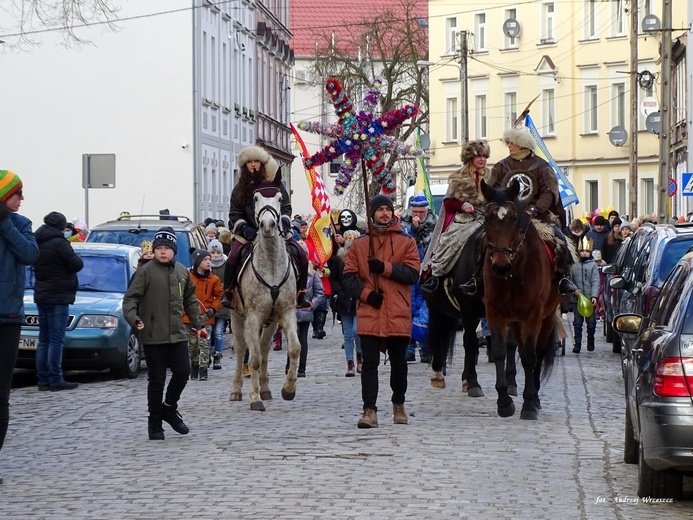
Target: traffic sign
[649,105]
[672,187]
[687,183]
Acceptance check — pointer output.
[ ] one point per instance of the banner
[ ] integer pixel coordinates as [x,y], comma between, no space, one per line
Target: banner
[565,189]
[423,184]
[319,239]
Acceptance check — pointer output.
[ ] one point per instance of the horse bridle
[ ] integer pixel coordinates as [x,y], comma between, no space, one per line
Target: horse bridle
[510,252]
[275,214]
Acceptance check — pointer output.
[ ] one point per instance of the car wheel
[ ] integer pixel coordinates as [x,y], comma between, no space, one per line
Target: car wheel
[131,367]
[658,484]
[630,445]
[616,347]
[608,331]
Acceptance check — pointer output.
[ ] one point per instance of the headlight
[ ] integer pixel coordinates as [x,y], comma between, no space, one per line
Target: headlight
[97,321]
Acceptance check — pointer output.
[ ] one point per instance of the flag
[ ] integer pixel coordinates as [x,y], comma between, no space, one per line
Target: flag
[565,189]
[319,239]
[423,184]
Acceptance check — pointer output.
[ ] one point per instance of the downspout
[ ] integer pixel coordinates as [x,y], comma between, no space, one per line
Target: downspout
[197,103]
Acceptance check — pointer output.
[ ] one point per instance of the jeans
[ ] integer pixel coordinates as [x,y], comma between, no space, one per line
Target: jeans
[159,357]
[577,324]
[9,345]
[411,348]
[350,336]
[396,348]
[218,334]
[49,351]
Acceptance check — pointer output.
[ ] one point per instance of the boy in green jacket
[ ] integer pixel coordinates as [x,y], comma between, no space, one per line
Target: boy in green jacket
[160,292]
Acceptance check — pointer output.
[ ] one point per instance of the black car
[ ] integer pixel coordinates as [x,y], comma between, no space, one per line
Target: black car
[133,229]
[658,375]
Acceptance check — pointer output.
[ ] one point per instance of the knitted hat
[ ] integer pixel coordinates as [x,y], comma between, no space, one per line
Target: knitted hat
[420,201]
[55,220]
[519,137]
[612,213]
[381,200]
[211,228]
[10,183]
[616,222]
[599,221]
[215,245]
[475,149]
[146,247]
[166,237]
[198,255]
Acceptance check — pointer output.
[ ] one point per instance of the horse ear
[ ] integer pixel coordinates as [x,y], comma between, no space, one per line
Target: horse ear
[513,189]
[486,190]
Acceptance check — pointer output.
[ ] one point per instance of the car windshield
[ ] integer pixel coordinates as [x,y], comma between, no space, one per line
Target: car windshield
[135,236]
[103,273]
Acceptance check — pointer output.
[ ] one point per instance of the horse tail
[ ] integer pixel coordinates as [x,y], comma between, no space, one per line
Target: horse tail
[549,355]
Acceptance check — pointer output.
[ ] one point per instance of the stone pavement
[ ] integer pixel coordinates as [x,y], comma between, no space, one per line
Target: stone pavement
[84,454]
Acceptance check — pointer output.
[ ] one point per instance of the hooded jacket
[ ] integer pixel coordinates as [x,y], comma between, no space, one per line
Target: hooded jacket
[56,268]
[208,290]
[18,249]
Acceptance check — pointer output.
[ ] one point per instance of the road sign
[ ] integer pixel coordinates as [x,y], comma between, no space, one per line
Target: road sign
[649,105]
[687,183]
[672,187]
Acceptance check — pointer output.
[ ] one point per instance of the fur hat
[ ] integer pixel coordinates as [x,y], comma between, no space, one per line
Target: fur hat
[55,220]
[255,153]
[475,149]
[380,200]
[166,237]
[10,183]
[520,137]
[197,256]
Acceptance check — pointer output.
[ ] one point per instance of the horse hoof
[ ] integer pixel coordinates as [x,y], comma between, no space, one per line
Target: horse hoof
[257,406]
[512,390]
[437,380]
[506,411]
[288,396]
[475,392]
[529,415]
[465,385]
[266,395]
[236,396]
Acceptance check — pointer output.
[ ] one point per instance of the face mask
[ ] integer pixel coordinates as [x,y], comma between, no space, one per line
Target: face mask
[67,234]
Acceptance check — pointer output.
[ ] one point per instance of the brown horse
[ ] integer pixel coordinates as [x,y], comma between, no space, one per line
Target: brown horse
[521,295]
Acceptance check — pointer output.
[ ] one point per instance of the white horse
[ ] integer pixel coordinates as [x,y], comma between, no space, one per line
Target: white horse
[266,298]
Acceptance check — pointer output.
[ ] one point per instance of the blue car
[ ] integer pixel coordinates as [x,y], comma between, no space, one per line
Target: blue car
[97,335]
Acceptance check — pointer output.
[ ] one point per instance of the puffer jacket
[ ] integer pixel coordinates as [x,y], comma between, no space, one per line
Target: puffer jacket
[56,268]
[401,258]
[585,275]
[158,295]
[18,248]
[209,291]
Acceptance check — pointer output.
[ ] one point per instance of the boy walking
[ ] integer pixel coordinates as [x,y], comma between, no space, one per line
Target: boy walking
[209,291]
[585,276]
[153,304]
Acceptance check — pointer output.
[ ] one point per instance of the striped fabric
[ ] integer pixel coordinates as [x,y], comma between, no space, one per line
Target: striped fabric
[10,183]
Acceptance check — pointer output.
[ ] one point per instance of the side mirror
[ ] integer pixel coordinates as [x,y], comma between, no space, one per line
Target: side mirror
[617,282]
[628,324]
[609,269]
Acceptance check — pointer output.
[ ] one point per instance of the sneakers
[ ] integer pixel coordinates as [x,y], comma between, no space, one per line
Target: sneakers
[217,361]
[156,432]
[173,418]
[368,420]
[350,368]
[301,373]
[194,371]
[64,385]
[246,370]
[203,373]
[399,414]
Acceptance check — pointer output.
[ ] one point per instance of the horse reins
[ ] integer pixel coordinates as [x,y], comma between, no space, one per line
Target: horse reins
[510,252]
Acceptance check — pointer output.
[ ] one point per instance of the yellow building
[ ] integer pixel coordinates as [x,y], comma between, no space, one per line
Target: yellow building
[575,56]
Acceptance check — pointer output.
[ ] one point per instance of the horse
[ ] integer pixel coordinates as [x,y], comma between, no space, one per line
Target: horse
[448,308]
[521,295]
[266,298]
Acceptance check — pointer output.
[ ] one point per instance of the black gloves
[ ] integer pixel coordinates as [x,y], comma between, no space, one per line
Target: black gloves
[247,231]
[375,299]
[286,226]
[210,312]
[4,211]
[376,266]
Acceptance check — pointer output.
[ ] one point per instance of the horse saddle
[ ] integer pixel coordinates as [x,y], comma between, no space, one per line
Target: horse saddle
[246,255]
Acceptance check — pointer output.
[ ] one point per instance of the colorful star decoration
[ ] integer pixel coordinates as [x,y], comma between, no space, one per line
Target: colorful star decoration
[361,135]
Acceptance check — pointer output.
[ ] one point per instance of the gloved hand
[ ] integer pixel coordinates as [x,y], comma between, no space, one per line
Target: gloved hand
[532,211]
[375,299]
[247,231]
[200,333]
[376,266]
[286,226]
[4,211]
[210,312]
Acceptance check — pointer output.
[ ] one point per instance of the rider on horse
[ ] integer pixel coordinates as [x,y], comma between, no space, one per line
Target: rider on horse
[258,166]
[538,192]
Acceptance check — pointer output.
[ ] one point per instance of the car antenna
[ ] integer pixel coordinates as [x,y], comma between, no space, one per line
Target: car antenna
[139,220]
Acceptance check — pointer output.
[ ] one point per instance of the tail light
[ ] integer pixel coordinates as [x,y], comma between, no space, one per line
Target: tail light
[650,297]
[674,377]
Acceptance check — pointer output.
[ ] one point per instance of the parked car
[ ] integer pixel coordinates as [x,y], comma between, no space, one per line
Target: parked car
[658,375]
[609,270]
[133,229]
[97,335]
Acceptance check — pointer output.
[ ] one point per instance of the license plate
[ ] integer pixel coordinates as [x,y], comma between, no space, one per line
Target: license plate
[27,343]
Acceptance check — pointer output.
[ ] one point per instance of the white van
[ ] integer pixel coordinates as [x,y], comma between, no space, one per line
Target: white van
[437,190]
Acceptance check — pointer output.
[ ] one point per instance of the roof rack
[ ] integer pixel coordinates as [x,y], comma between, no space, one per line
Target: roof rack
[180,218]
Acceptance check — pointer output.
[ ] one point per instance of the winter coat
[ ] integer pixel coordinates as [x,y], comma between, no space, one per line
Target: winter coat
[18,248]
[401,258]
[342,301]
[611,245]
[246,214]
[585,276]
[56,268]
[315,294]
[598,238]
[158,295]
[208,290]
[422,234]
[220,270]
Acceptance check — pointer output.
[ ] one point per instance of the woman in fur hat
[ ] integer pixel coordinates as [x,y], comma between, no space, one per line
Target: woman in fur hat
[257,166]
[461,214]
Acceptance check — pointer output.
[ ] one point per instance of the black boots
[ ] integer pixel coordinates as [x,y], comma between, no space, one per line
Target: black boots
[203,374]
[156,432]
[173,418]
[194,371]
[319,324]
[590,343]
[566,286]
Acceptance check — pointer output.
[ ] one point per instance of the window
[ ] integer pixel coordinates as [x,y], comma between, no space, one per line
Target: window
[648,195]
[618,103]
[481,118]
[451,117]
[480,31]
[511,43]
[621,196]
[591,110]
[590,19]
[510,109]
[592,194]
[547,23]
[451,33]
[549,112]
[619,17]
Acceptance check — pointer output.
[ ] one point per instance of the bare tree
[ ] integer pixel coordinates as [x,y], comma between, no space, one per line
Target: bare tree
[28,19]
[388,43]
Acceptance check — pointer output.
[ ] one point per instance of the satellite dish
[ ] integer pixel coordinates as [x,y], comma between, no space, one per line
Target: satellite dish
[650,23]
[653,122]
[511,28]
[618,136]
